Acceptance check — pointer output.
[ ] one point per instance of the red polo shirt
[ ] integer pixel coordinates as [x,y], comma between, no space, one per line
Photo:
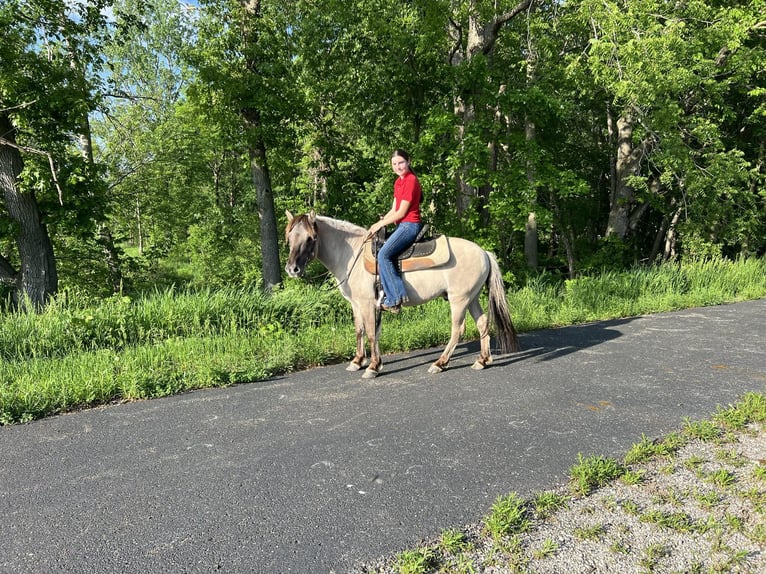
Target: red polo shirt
[408,188]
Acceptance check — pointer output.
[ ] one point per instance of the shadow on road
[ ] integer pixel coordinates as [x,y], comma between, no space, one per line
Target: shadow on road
[543,345]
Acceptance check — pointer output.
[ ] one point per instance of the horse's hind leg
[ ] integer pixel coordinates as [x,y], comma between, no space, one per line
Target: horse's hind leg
[482,324]
[458,309]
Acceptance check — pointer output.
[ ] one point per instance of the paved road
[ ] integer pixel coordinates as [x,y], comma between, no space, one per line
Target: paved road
[315,471]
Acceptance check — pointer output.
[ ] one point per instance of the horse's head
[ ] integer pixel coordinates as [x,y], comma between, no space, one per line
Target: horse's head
[302,241]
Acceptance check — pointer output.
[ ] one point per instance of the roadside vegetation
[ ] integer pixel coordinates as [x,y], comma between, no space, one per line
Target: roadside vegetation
[693,501]
[81,352]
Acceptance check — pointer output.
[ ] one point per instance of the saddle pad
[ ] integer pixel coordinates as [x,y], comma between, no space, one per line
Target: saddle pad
[422,255]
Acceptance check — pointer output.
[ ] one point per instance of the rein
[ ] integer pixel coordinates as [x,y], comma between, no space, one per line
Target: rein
[353,263]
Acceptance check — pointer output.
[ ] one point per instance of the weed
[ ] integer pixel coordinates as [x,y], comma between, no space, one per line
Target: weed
[649,448]
[416,561]
[693,462]
[507,516]
[732,418]
[594,532]
[667,469]
[757,533]
[704,430]
[453,541]
[756,497]
[707,500]
[547,548]
[633,477]
[463,565]
[593,472]
[630,507]
[759,472]
[753,405]
[609,503]
[734,522]
[672,496]
[546,503]
[641,451]
[718,544]
[619,547]
[730,456]
[678,521]
[652,555]
[722,478]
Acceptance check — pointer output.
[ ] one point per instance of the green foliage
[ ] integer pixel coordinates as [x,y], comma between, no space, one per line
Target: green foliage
[523,124]
[592,473]
[415,561]
[547,503]
[453,541]
[509,515]
[648,448]
[703,430]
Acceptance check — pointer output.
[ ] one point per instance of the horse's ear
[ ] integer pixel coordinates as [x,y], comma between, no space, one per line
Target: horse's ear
[312,216]
[289,215]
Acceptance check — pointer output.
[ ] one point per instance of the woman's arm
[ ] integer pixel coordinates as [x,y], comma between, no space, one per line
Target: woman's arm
[393,216]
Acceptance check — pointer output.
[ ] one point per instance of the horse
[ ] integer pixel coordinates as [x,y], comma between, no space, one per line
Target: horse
[338,245]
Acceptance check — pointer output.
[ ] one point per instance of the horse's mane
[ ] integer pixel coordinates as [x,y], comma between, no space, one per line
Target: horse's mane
[344,226]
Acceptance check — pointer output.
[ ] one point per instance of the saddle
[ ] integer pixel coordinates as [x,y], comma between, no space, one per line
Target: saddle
[425,253]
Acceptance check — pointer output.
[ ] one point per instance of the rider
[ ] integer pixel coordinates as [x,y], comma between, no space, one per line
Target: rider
[405,212]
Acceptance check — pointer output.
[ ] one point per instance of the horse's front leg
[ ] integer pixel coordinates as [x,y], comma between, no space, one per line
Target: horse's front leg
[360,358]
[372,326]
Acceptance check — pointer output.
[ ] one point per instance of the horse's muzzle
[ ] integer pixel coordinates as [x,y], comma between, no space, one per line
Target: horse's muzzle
[294,270]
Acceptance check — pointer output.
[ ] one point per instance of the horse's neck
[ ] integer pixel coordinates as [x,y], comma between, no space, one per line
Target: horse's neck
[339,243]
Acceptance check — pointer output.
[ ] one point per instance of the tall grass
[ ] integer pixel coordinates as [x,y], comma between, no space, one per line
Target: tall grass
[77,353]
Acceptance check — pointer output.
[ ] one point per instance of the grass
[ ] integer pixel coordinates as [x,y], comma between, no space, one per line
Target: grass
[79,353]
[594,472]
[509,515]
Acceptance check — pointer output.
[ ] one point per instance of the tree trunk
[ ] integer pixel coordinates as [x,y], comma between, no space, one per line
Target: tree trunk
[628,162]
[671,237]
[272,272]
[271,269]
[530,136]
[38,279]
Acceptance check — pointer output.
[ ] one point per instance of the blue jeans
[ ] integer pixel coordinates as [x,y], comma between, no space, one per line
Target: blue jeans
[403,236]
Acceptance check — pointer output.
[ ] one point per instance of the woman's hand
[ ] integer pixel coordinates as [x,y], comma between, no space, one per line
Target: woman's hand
[375,227]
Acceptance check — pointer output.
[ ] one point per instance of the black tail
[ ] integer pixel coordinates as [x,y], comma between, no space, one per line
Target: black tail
[499,313]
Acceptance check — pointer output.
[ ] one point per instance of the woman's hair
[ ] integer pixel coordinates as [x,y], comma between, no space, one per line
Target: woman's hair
[401,153]
[404,155]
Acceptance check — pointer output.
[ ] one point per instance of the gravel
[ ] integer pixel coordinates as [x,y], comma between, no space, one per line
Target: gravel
[700,509]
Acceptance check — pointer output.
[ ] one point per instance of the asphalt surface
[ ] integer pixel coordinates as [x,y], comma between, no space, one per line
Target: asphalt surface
[316,471]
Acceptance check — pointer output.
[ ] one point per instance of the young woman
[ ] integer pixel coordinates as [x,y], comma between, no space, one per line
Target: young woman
[405,212]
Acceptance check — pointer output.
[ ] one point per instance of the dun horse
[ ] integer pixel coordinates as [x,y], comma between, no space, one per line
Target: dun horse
[338,245]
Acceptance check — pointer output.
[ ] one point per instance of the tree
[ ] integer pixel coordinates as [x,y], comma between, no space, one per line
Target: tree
[475,31]
[244,53]
[667,75]
[46,48]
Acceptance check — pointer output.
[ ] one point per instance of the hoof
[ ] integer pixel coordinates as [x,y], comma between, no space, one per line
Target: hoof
[478,366]
[353,367]
[370,374]
[433,369]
